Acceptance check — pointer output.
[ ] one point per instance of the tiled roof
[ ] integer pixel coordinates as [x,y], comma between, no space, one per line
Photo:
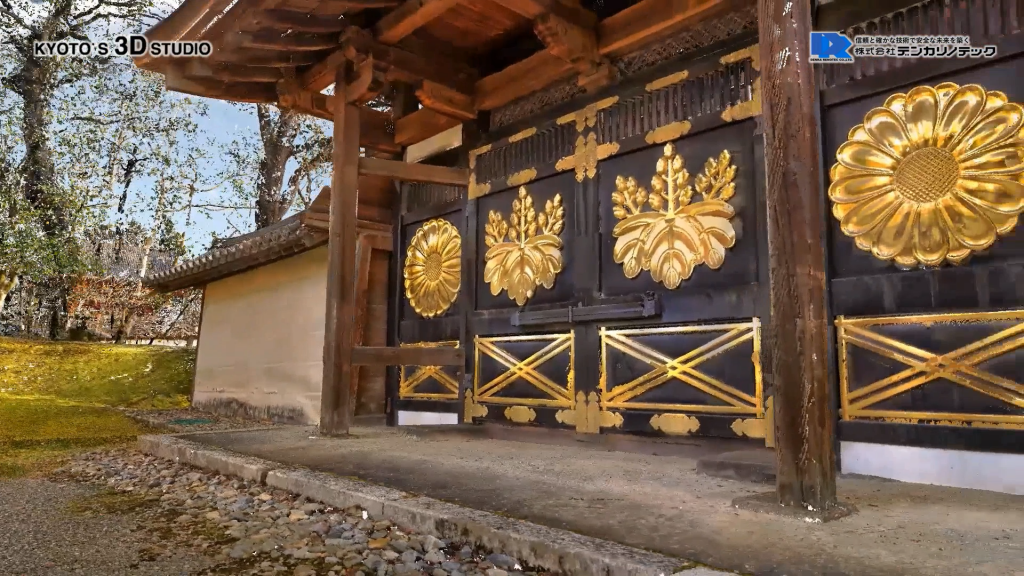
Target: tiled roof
[235,255]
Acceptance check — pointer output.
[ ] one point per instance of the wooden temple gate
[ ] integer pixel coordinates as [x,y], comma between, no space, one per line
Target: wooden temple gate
[664,252]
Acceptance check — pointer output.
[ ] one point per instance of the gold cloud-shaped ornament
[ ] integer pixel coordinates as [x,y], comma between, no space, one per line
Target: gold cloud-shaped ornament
[932,175]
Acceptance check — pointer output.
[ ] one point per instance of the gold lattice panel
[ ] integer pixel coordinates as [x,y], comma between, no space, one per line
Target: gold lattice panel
[428,382]
[976,367]
[524,379]
[689,369]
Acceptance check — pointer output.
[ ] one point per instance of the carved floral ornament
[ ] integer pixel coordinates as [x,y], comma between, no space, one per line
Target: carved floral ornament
[677,234]
[525,251]
[433,268]
[931,176]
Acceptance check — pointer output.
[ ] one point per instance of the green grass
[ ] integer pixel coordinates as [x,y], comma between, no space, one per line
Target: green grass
[57,398]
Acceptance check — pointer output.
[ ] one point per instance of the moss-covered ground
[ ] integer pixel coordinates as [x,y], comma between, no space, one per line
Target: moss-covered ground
[59,397]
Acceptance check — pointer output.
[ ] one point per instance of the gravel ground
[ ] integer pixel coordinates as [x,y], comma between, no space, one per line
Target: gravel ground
[121,512]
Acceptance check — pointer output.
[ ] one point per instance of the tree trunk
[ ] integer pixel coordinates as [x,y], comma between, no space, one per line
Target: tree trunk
[8,282]
[35,84]
[278,136]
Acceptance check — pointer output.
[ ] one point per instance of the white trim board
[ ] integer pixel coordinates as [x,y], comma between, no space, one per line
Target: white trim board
[408,418]
[955,468]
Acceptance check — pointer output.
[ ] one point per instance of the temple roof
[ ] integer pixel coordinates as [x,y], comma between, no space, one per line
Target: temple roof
[459,57]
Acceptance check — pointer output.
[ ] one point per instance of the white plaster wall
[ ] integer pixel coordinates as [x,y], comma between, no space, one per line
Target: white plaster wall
[957,468]
[261,340]
[408,418]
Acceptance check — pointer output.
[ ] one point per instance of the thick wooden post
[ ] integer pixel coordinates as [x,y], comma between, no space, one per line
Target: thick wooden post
[798,333]
[336,402]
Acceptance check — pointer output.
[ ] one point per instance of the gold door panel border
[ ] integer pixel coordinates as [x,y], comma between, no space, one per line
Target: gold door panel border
[560,393]
[960,367]
[684,369]
[408,383]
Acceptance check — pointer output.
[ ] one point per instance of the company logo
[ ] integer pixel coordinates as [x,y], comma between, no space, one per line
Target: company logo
[830,47]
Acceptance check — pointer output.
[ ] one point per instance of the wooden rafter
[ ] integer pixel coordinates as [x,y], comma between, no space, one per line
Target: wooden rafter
[408,172]
[175,79]
[231,72]
[411,15]
[622,33]
[274,40]
[282,20]
[420,125]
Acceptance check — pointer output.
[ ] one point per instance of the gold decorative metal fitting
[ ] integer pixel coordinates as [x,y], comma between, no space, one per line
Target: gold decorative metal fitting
[964,366]
[433,268]
[521,177]
[587,415]
[668,132]
[675,424]
[554,394]
[408,384]
[474,410]
[586,156]
[520,414]
[750,427]
[477,190]
[932,175]
[667,81]
[677,235]
[752,53]
[525,251]
[587,117]
[521,135]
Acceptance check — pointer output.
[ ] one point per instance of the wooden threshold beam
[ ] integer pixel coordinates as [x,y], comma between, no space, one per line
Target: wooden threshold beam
[407,172]
[410,356]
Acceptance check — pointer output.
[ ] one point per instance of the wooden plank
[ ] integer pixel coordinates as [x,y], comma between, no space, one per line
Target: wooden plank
[321,74]
[411,356]
[420,125]
[336,402]
[797,334]
[408,17]
[362,288]
[407,172]
[319,219]
[520,79]
[411,67]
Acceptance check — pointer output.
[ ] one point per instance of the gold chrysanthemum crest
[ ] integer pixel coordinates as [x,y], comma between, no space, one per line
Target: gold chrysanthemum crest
[524,252]
[932,175]
[677,234]
[433,268]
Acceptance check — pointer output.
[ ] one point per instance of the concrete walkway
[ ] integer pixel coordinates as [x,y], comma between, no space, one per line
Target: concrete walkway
[660,503]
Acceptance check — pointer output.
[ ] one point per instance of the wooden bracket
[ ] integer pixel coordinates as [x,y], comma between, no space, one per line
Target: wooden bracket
[445,100]
[578,46]
[370,81]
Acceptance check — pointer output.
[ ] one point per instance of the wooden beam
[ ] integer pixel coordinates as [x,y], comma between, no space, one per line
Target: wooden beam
[368,83]
[625,32]
[445,101]
[265,58]
[362,282]
[283,20]
[420,125]
[533,9]
[406,172]
[176,81]
[319,219]
[321,74]
[376,132]
[231,72]
[410,356]
[447,140]
[407,66]
[411,15]
[798,330]
[273,40]
[650,20]
[336,401]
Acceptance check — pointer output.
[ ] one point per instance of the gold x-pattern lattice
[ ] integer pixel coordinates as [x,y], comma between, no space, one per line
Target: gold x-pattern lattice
[409,382]
[960,366]
[682,368]
[525,370]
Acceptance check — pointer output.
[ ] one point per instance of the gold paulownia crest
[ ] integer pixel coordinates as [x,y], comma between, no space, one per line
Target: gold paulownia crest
[433,268]
[677,235]
[525,252]
[932,175]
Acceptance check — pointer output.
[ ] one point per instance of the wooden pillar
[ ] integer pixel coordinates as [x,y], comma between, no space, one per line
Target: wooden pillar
[337,401]
[798,333]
